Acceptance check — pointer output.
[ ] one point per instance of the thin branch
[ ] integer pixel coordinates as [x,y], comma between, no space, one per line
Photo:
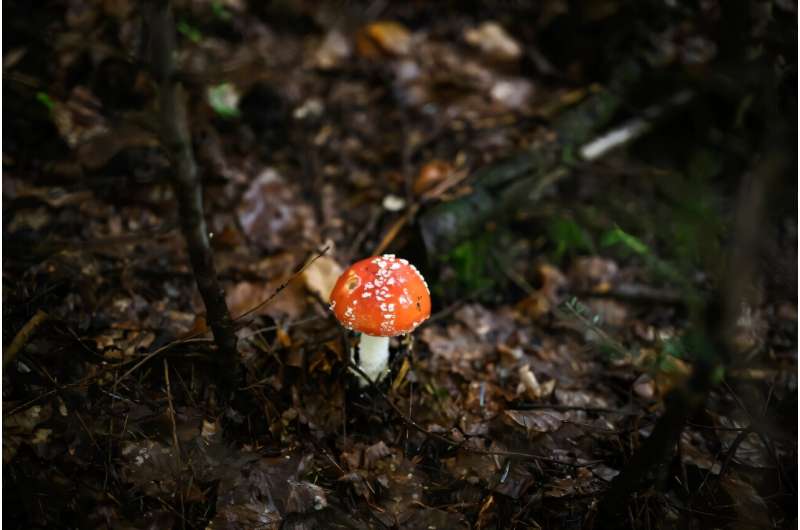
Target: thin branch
[23,336]
[171,410]
[176,140]
[282,286]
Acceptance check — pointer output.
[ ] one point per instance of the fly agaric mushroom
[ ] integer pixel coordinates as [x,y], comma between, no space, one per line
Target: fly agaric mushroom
[380,297]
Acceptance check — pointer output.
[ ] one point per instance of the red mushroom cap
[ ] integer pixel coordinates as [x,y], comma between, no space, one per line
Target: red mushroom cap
[382,296]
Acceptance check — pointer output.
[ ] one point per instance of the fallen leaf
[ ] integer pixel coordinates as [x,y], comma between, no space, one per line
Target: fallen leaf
[534,389]
[375,452]
[334,50]
[244,296]
[747,502]
[493,40]
[320,277]
[536,421]
[644,386]
[592,274]
[383,37]
[604,472]
[512,93]
[272,215]
[305,497]
[431,174]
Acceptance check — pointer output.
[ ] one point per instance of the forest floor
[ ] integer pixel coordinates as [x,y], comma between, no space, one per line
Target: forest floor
[323,134]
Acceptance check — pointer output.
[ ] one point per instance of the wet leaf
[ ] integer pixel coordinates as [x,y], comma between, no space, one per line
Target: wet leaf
[272,216]
[255,515]
[305,497]
[151,466]
[750,506]
[375,452]
[536,421]
[19,428]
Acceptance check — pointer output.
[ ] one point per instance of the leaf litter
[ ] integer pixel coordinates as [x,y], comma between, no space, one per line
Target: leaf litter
[512,411]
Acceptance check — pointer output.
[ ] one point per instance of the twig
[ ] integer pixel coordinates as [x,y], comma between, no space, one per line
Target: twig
[171,410]
[282,286]
[638,293]
[23,336]
[194,337]
[545,406]
[152,354]
[176,140]
[393,230]
[631,130]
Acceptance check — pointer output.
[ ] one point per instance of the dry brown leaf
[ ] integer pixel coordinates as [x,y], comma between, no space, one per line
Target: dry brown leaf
[333,50]
[375,452]
[290,303]
[320,277]
[494,41]
[536,422]
[553,283]
[383,37]
[592,274]
[534,389]
[431,174]
[750,506]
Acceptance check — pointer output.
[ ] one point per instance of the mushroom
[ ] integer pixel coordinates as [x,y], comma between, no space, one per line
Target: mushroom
[380,297]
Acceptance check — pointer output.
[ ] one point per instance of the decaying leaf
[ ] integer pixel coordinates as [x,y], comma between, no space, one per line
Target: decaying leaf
[271,214]
[305,497]
[19,428]
[750,506]
[536,421]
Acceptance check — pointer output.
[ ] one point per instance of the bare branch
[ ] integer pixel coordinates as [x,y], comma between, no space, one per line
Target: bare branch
[176,140]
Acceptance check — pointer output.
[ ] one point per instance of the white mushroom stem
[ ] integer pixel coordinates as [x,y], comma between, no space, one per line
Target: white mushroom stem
[373,357]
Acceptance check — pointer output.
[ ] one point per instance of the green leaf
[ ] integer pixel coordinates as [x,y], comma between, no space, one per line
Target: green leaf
[46,100]
[218,8]
[569,237]
[618,236]
[224,99]
[469,260]
[189,31]
[674,347]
